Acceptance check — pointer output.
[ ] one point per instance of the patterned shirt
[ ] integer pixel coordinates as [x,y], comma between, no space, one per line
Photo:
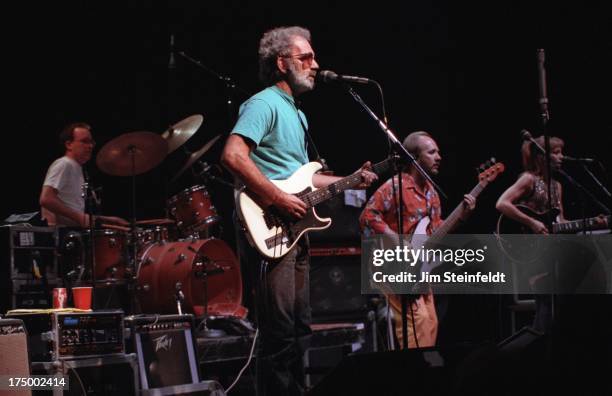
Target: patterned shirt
[380,215]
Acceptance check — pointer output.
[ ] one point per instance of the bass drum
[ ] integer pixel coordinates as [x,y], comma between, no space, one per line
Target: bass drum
[164,268]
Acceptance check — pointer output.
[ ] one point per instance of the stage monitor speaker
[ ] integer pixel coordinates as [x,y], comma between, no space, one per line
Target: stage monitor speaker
[521,340]
[422,371]
[335,288]
[166,349]
[101,375]
[14,352]
[204,388]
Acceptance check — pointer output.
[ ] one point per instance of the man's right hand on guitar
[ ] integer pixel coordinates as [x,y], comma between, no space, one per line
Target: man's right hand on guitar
[290,205]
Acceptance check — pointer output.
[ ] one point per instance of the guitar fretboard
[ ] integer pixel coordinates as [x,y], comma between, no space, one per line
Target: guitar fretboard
[453,219]
[575,226]
[323,194]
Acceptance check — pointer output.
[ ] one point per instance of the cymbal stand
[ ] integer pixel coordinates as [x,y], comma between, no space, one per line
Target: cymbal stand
[89,211]
[203,274]
[134,243]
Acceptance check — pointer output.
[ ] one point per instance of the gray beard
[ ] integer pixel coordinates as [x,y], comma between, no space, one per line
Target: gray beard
[299,83]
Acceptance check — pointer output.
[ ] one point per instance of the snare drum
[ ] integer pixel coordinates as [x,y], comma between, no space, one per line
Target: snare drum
[193,210]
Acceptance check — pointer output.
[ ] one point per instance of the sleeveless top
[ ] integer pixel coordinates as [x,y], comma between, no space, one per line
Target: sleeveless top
[538,199]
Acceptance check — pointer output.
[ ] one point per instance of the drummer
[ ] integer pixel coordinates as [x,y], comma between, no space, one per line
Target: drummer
[61,199]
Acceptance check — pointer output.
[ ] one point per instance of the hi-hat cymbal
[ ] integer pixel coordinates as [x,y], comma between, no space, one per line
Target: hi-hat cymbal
[180,132]
[195,156]
[148,150]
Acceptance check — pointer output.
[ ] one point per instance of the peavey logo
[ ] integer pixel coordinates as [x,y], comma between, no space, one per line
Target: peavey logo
[163,342]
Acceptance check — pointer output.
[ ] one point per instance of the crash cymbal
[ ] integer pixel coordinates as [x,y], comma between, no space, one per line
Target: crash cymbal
[180,132]
[147,148]
[195,156]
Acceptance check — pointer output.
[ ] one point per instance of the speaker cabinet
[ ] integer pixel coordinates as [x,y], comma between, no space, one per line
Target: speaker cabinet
[335,285]
[165,348]
[14,352]
[103,375]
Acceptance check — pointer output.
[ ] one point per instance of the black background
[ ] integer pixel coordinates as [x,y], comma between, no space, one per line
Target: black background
[465,73]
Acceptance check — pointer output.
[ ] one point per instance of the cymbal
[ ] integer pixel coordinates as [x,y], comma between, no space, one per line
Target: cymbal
[147,148]
[196,155]
[180,132]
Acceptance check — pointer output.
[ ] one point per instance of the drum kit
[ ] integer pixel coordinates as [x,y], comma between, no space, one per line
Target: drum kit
[167,264]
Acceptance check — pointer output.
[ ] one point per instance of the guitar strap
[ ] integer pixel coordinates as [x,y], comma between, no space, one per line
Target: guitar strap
[309,141]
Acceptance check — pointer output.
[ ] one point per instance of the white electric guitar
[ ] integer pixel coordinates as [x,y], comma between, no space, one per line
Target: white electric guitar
[273,234]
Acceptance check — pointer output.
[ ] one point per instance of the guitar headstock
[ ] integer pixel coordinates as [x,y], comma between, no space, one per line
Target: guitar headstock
[488,171]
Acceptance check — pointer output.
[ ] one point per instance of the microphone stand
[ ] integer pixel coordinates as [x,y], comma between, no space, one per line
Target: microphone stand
[230,85]
[396,145]
[399,149]
[599,183]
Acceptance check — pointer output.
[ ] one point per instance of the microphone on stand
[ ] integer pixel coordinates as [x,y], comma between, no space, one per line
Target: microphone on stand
[329,76]
[567,158]
[542,85]
[171,61]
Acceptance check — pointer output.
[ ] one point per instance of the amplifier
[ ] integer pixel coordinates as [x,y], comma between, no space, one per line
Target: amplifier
[69,335]
[165,348]
[14,353]
[100,375]
[31,294]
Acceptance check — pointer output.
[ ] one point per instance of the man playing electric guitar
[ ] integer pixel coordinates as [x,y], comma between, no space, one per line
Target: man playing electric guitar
[268,143]
[420,201]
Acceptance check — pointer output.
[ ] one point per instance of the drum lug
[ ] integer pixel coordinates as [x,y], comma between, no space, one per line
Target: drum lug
[112,242]
[181,257]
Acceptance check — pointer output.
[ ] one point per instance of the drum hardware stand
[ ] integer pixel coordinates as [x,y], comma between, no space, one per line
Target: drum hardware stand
[180,297]
[202,273]
[133,264]
[90,202]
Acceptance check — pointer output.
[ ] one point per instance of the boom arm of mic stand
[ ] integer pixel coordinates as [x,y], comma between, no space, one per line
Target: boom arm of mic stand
[396,144]
[596,180]
[226,79]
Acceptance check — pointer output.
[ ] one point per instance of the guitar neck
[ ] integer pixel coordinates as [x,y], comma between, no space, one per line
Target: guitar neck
[575,226]
[323,194]
[454,218]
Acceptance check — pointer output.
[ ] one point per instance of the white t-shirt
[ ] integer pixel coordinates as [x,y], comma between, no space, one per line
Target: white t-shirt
[66,176]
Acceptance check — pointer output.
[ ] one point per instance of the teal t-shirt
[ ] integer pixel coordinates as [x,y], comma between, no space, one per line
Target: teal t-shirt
[270,119]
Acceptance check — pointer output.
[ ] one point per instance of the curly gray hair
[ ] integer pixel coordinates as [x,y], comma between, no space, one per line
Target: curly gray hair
[276,42]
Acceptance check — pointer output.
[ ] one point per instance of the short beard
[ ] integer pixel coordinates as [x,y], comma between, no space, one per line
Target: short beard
[298,83]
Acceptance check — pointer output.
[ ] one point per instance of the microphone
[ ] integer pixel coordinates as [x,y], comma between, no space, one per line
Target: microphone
[329,76]
[179,291]
[542,84]
[526,135]
[171,61]
[567,158]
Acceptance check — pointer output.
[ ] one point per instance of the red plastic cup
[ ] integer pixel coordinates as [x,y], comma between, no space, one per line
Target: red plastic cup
[60,297]
[82,297]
